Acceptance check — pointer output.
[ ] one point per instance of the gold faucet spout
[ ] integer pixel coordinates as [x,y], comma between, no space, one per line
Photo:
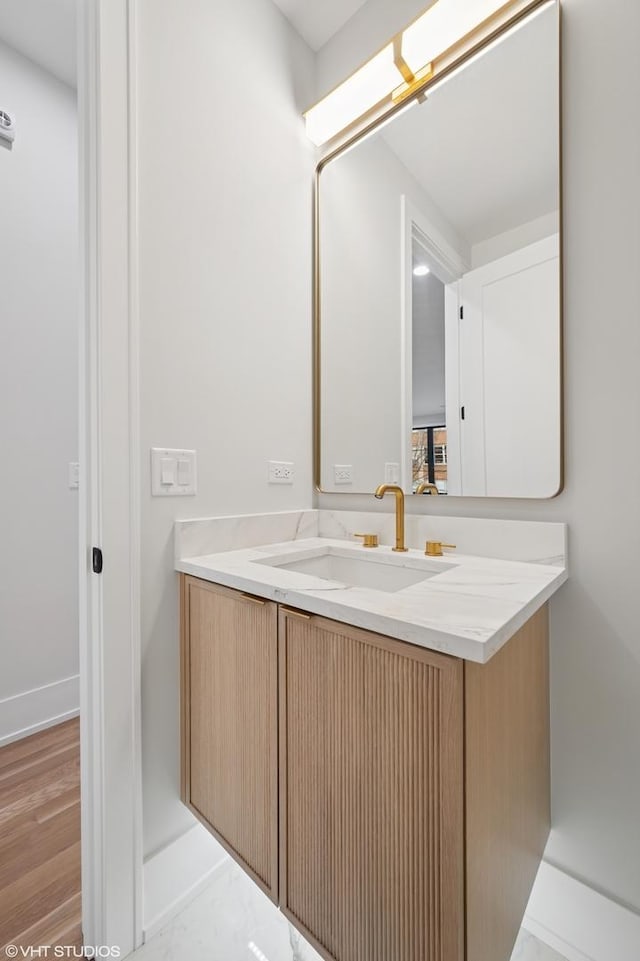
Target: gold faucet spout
[399,495]
[424,487]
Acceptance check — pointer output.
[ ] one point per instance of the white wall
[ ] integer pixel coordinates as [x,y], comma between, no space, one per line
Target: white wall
[595,679]
[225,301]
[38,399]
[511,240]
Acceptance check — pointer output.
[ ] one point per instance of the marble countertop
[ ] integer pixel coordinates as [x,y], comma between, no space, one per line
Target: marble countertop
[469,608]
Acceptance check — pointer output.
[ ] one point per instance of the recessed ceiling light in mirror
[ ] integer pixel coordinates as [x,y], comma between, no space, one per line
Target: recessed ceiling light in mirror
[421,270]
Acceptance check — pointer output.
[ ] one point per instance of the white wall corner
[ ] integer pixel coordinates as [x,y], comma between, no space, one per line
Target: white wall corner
[35,710]
[578,922]
[177,874]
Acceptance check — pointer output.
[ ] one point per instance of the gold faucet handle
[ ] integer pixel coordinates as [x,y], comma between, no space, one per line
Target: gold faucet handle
[434,548]
[369,540]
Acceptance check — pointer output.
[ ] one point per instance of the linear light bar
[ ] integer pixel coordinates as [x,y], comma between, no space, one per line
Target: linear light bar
[491,46]
[370,85]
[402,66]
[441,27]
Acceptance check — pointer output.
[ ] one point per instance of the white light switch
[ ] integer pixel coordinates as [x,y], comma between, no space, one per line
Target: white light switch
[173,472]
[391,473]
[167,471]
[74,475]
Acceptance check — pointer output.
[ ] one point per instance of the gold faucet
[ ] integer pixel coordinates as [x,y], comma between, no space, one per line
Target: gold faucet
[399,495]
[424,487]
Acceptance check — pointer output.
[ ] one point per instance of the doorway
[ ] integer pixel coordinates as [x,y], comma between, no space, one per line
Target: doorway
[39,415]
[107,450]
[430,270]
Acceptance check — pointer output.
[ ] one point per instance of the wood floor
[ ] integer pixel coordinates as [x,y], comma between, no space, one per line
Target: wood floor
[40,839]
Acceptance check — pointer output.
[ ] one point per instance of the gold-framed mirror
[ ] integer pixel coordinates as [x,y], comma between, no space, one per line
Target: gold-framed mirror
[438,281]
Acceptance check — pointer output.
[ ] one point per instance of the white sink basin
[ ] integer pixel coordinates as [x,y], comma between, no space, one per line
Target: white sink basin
[357,569]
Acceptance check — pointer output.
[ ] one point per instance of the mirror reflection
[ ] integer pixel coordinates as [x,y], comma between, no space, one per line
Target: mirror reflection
[439,285]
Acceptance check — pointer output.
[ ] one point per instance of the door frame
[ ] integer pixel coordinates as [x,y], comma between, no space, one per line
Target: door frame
[109,615]
[450,267]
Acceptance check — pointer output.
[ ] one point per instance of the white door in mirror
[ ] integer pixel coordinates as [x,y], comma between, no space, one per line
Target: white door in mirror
[508,371]
[173,472]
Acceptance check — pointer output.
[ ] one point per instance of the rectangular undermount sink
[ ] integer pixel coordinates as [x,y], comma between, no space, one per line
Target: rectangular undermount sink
[356,570]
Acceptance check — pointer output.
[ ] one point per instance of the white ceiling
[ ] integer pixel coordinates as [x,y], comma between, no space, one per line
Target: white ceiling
[484,146]
[318,20]
[44,31]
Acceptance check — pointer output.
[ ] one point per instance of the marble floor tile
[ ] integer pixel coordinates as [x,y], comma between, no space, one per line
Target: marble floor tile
[529,948]
[232,920]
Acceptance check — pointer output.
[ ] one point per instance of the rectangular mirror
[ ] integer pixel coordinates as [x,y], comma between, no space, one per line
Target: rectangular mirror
[438,284]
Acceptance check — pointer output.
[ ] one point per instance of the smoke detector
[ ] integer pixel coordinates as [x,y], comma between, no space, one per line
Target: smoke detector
[7,127]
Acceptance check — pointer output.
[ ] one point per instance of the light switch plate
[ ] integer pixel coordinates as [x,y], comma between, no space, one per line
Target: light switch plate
[74,475]
[178,468]
[391,473]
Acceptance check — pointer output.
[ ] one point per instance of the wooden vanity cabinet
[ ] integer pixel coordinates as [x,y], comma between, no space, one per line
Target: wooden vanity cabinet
[392,800]
[507,787]
[371,793]
[230,722]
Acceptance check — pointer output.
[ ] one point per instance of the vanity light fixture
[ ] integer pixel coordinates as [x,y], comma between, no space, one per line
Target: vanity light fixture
[370,86]
[421,270]
[405,64]
[367,87]
[539,9]
[440,27]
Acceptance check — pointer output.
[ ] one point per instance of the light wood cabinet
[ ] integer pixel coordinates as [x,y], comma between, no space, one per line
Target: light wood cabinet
[371,799]
[392,800]
[507,789]
[230,723]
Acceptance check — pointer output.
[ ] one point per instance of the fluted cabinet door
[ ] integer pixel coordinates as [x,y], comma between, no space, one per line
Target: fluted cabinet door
[371,793]
[230,722]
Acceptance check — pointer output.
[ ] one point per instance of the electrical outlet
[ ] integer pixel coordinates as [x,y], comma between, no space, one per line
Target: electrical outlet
[391,473]
[74,475]
[343,474]
[281,472]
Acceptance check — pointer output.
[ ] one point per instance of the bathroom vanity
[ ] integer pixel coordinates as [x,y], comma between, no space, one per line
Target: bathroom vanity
[376,758]
[366,729]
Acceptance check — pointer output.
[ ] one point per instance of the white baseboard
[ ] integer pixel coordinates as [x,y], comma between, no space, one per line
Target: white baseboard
[35,710]
[578,922]
[177,874]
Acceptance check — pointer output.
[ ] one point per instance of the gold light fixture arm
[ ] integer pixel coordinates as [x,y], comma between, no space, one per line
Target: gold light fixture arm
[420,79]
[402,65]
